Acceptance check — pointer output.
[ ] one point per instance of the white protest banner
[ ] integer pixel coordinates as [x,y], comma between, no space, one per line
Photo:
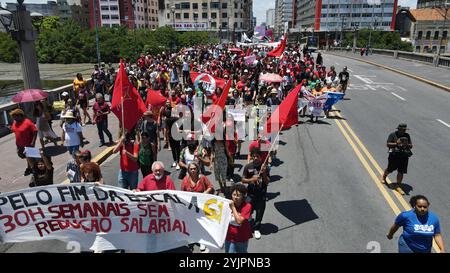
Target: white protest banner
[238,114]
[106,217]
[249,60]
[316,105]
[32,152]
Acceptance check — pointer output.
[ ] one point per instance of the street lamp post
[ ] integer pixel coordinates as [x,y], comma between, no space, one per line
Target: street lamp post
[355,37]
[97,43]
[23,28]
[445,6]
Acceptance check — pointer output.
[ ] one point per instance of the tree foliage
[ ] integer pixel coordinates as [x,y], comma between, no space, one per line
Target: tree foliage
[378,39]
[66,42]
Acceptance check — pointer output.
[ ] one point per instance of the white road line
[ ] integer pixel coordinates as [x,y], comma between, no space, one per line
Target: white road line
[337,63]
[350,70]
[448,125]
[398,96]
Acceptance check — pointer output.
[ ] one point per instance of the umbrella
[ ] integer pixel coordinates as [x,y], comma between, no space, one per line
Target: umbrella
[29,95]
[235,49]
[271,77]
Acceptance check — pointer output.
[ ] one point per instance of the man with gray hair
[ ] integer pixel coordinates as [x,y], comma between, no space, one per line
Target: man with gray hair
[101,111]
[158,180]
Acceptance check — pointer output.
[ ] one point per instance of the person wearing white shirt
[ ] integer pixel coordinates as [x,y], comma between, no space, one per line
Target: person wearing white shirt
[72,134]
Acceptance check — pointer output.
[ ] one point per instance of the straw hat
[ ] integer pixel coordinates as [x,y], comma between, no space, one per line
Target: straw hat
[68,114]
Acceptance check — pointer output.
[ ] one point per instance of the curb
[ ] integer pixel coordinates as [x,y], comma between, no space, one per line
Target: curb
[443,87]
[99,159]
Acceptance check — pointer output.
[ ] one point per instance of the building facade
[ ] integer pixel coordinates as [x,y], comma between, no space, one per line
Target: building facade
[284,11]
[421,4]
[338,15]
[48,9]
[428,31]
[80,12]
[226,17]
[270,17]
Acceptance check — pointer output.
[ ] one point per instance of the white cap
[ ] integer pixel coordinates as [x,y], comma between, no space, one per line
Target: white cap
[64,94]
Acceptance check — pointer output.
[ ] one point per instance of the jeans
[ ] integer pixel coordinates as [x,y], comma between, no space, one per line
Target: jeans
[236,247]
[73,149]
[258,205]
[102,126]
[176,149]
[128,180]
[403,247]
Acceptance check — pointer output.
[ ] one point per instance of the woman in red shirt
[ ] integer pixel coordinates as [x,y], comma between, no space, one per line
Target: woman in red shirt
[239,230]
[196,182]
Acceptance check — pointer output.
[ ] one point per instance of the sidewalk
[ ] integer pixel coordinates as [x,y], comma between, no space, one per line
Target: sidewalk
[423,70]
[12,167]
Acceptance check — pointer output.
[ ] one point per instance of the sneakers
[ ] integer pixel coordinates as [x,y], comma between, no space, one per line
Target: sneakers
[178,167]
[202,247]
[174,164]
[257,235]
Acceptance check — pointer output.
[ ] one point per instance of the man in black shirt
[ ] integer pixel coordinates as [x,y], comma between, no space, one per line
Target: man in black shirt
[256,177]
[149,126]
[399,144]
[343,79]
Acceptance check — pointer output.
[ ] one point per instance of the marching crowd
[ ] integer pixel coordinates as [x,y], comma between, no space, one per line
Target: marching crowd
[169,74]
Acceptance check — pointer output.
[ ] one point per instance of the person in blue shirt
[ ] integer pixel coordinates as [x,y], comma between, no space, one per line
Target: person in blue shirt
[420,226]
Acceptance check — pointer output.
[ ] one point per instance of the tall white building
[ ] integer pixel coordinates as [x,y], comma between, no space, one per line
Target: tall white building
[283,15]
[227,17]
[270,17]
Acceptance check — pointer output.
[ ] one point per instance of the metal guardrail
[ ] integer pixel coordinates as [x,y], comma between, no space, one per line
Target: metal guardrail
[53,95]
[442,61]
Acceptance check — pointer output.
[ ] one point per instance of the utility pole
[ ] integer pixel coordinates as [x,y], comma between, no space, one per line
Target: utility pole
[342,29]
[446,7]
[96,32]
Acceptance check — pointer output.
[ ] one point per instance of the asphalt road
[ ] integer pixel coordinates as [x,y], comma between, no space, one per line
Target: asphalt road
[325,194]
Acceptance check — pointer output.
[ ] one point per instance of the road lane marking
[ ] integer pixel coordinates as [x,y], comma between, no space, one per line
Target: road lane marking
[350,70]
[448,125]
[399,197]
[369,170]
[398,96]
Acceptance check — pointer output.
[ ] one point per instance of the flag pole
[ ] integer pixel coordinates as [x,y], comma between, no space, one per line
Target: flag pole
[271,147]
[123,120]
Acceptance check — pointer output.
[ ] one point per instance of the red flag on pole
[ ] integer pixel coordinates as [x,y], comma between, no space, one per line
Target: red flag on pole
[213,110]
[249,51]
[126,104]
[278,51]
[155,98]
[286,114]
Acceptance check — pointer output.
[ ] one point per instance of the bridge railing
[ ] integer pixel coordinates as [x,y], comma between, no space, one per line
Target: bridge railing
[442,61]
[53,95]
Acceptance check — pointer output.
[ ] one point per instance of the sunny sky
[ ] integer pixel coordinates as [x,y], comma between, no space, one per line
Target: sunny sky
[259,6]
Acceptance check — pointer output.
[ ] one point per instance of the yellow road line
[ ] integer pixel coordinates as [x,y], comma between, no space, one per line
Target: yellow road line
[377,167]
[369,170]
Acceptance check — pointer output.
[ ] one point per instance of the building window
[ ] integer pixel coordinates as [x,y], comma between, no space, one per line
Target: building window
[224,24]
[417,48]
[204,15]
[224,15]
[428,35]
[356,15]
[195,5]
[104,8]
[114,7]
[213,25]
[419,35]
[195,15]
[213,15]
[215,5]
[235,15]
[115,17]
[168,15]
[235,5]
[204,5]
[436,35]
[178,15]
[224,5]
[186,5]
[444,34]
[186,15]
[177,6]
[105,17]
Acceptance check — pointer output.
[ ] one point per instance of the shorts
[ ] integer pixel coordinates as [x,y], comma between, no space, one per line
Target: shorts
[397,163]
[83,103]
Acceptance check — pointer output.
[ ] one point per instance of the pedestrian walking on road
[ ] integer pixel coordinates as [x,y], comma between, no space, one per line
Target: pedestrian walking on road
[26,134]
[129,154]
[400,145]
[43,119]
[156,181]
[239,229]
[72,135]
[420,227]
[101,111]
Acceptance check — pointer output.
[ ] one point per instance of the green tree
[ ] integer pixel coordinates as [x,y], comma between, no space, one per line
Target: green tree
[50,22]
[9,52]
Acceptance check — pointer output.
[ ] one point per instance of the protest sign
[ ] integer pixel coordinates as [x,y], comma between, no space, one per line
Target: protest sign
[316,105]
[106,217]
[32,152]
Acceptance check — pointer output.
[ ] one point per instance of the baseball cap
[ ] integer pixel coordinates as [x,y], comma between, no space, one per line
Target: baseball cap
[402,126]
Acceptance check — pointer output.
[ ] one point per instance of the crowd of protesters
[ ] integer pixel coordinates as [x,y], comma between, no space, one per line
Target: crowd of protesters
[169,75]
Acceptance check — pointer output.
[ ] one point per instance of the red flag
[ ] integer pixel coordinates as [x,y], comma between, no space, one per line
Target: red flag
[213,110]
[286,113]
[278,51]
[125,94]
[219,81]
[155,99]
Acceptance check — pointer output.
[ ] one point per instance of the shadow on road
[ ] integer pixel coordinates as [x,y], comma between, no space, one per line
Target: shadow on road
[275,178]
[297,211]
[276,162]
[272,195]
[268,228]
[55,150]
